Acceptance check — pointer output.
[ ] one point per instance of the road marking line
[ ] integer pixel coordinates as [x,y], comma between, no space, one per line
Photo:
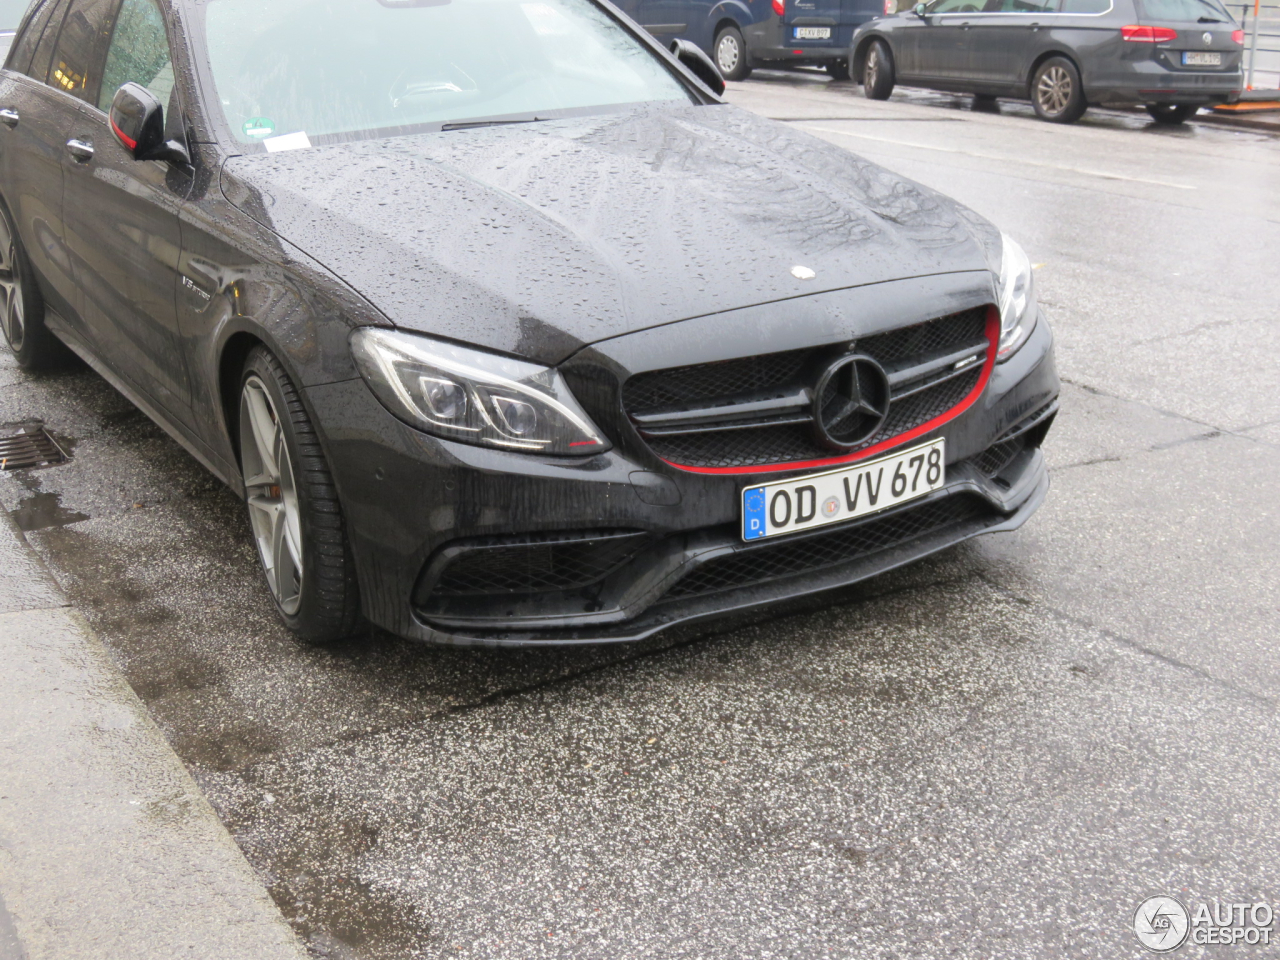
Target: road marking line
[992,156]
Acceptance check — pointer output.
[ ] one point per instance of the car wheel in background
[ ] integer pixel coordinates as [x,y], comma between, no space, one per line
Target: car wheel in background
[839,70]
[1056,91]
[731,54]
[877,71]
[22,316]
[293,507]
[1172,112]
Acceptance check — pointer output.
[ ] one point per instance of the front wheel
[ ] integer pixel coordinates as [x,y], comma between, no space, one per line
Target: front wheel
[877,72]
[1057,93]
[1172,113]
[293,507]
[731,54]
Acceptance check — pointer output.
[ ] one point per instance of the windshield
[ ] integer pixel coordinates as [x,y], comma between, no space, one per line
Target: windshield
[318,67]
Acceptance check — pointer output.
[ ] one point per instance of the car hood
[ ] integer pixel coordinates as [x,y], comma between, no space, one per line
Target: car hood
[539,238]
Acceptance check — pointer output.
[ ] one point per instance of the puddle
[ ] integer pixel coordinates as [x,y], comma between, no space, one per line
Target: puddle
[43,510]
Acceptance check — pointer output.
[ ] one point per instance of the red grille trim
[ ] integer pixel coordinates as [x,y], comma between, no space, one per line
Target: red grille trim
[993,341]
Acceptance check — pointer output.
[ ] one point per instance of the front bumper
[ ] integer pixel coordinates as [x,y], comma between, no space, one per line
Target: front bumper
[409,498]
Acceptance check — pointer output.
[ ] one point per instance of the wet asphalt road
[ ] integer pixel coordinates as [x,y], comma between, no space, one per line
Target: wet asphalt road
[995,753]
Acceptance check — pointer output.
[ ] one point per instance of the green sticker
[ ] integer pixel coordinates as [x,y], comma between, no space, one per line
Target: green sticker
[258,127]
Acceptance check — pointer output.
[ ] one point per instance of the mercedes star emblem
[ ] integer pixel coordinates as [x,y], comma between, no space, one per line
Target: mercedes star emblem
[851,402]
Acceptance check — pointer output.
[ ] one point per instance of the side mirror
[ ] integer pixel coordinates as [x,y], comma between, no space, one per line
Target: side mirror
[699,64]
[919,10]
[137,120]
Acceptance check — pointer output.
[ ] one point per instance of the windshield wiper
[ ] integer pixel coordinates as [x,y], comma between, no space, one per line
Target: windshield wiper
[468,124]
[1210,20]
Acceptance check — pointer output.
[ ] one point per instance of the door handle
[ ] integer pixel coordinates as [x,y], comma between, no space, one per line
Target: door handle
[1035,26]
[82,150]
[9,117]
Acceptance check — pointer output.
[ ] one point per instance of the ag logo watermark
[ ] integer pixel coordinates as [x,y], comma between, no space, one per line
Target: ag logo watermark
[1163,924]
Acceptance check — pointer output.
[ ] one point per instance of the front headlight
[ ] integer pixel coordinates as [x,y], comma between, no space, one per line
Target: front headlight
[473,396]
[1017,298]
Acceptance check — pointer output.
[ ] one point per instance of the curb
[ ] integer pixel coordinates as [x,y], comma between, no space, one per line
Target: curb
[1254,122]
[108,849]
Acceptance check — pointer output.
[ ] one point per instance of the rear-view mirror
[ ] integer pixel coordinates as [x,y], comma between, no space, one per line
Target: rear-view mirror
[137,120]
[919,10]
[699,64]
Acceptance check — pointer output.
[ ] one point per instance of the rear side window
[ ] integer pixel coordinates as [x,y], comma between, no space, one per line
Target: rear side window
[1021,6]
[76,66]
[139,53]
[24,44]
[39,68]
[1192,11]
[1085,6]
[955,6]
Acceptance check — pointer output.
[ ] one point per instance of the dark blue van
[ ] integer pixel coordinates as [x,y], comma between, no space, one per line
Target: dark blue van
[742,34]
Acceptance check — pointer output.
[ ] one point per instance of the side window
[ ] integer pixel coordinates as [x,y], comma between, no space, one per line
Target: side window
[1023,6]
[41,33]
[1085,6]
[24,44]
[956,6]
[139,53]
[76,66]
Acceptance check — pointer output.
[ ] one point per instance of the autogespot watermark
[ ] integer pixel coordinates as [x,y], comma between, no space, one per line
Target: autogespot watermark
[1163,924]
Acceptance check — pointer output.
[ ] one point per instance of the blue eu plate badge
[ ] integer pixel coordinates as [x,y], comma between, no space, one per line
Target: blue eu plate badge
[753,522]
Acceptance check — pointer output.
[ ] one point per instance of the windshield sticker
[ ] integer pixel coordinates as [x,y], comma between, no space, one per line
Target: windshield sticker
[290,141]
[258,127]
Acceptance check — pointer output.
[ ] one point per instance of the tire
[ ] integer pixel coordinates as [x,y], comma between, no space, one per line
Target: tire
[294,511]
[838,70]
[877,71]
[1172,113]
[730,54]
[22,307]
[1056,91]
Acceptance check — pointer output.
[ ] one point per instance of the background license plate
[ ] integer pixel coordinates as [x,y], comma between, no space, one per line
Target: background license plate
[813,33]
[1198,58]
[822,498]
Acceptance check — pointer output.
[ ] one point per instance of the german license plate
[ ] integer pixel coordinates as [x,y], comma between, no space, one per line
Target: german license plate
[1199,58]
[813,33]
[773,509]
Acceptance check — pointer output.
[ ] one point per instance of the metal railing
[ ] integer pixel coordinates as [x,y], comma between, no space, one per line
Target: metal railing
[1261,22]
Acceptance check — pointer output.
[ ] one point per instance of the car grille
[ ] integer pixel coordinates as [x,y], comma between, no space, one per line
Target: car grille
[535,563]
[758,564]
[756,411]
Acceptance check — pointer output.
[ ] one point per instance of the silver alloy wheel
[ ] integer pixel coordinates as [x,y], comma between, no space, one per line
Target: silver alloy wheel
[727,53]
[272,493]
[1054,90]
[14,315]
[872,73]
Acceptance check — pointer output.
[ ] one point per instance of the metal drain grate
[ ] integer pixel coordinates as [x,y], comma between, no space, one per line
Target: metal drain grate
[29,447]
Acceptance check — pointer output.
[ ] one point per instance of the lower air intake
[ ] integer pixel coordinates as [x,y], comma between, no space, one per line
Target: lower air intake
[765,562]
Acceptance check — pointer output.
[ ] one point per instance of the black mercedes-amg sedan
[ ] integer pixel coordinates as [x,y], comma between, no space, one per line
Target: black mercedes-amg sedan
[507,329]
